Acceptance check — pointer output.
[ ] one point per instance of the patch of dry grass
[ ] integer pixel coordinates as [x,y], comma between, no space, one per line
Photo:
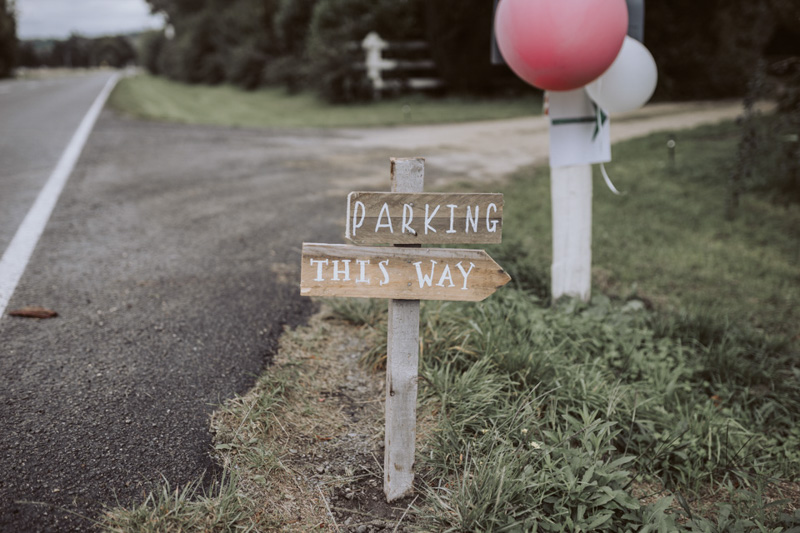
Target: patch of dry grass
[307,440]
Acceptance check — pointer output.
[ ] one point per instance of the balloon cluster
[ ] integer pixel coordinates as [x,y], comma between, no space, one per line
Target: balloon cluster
[562,45]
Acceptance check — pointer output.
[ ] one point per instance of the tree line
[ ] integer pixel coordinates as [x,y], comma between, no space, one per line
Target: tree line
[303,44]
[77,52]
[74,52]
[708,49]
[8,38]
[703,49]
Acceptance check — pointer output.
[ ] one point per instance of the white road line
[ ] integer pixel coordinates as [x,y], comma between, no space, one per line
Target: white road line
[19,252]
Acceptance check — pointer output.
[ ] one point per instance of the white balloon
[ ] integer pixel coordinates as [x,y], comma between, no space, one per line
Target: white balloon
[629,82]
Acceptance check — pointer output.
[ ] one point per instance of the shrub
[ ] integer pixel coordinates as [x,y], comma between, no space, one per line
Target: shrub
[290,25]
[193,56]
[150,48]
[337,26]
[459,33]
[8,39]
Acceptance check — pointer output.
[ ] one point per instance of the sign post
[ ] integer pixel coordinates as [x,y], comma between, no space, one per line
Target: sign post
[579,137]
[405,274]
[402,364]
[578,51]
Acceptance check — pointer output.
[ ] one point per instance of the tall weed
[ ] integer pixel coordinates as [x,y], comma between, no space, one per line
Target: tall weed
[548,416]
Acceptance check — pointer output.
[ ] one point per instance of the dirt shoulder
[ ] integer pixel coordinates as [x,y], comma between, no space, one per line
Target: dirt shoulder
[489,150]
[307,441]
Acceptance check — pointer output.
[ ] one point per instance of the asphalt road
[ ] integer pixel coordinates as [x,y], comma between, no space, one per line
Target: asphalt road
[172,259]
[37,120]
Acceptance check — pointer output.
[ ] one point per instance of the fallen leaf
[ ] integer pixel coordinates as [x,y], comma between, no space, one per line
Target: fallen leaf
[33,312]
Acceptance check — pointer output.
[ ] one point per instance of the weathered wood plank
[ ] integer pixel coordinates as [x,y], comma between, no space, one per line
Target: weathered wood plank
[402,364]
[399,273]
[424,218]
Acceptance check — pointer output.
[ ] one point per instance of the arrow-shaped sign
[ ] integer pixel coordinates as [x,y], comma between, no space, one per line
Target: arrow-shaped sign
[399,273]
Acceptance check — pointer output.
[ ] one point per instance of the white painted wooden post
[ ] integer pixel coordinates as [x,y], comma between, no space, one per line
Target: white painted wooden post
[571,195]
[402,364]
[579,137]
[374,46]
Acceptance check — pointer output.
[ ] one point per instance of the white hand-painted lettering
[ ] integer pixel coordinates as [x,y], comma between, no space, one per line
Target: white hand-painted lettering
[362,276]
[346,270]
[446,276]
[470,220]
[491,225]
[422,278]
[388,224]
[408,216]
[452,217]
[382,265]
[428,218]
[465,273]
[360,222]
[319,263]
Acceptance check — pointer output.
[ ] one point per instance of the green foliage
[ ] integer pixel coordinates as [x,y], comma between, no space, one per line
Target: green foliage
[291,24]
[549,417]
[703,50]
[586,417]
[193,55]
[78,52]
[245,40]
[160,99]
[8,38]
[338,26]
[708,49]
[150,48]
[216,41]
[561,418]
[368,312]
[665,242]
[219,508]
[564,479]
[773,166]
[459,34]
[114,52]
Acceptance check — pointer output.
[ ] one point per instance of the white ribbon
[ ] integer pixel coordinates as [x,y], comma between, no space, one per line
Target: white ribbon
[608,180]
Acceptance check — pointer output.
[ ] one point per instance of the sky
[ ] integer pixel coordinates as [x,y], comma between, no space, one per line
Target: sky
[60,18]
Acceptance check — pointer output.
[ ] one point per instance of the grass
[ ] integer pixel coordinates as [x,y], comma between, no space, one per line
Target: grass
[156,98]
[584,418]
[191,508]
[670,403]
[666,240]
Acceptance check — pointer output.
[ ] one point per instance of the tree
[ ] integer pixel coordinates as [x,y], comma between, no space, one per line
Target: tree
[337,26]
[27,56]
[8,38]
[459,33]
[706,49]
[291,24]
[150,48]
[214,41]
[788,12]
[114,52]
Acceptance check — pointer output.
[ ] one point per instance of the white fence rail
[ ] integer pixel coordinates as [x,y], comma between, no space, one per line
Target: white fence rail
[376,64]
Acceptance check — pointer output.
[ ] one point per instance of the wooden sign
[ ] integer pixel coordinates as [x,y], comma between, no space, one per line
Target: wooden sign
[399,273]
[406,275]
[424,218]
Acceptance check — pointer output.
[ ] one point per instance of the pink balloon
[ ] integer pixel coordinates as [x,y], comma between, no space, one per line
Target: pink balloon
[560,45]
